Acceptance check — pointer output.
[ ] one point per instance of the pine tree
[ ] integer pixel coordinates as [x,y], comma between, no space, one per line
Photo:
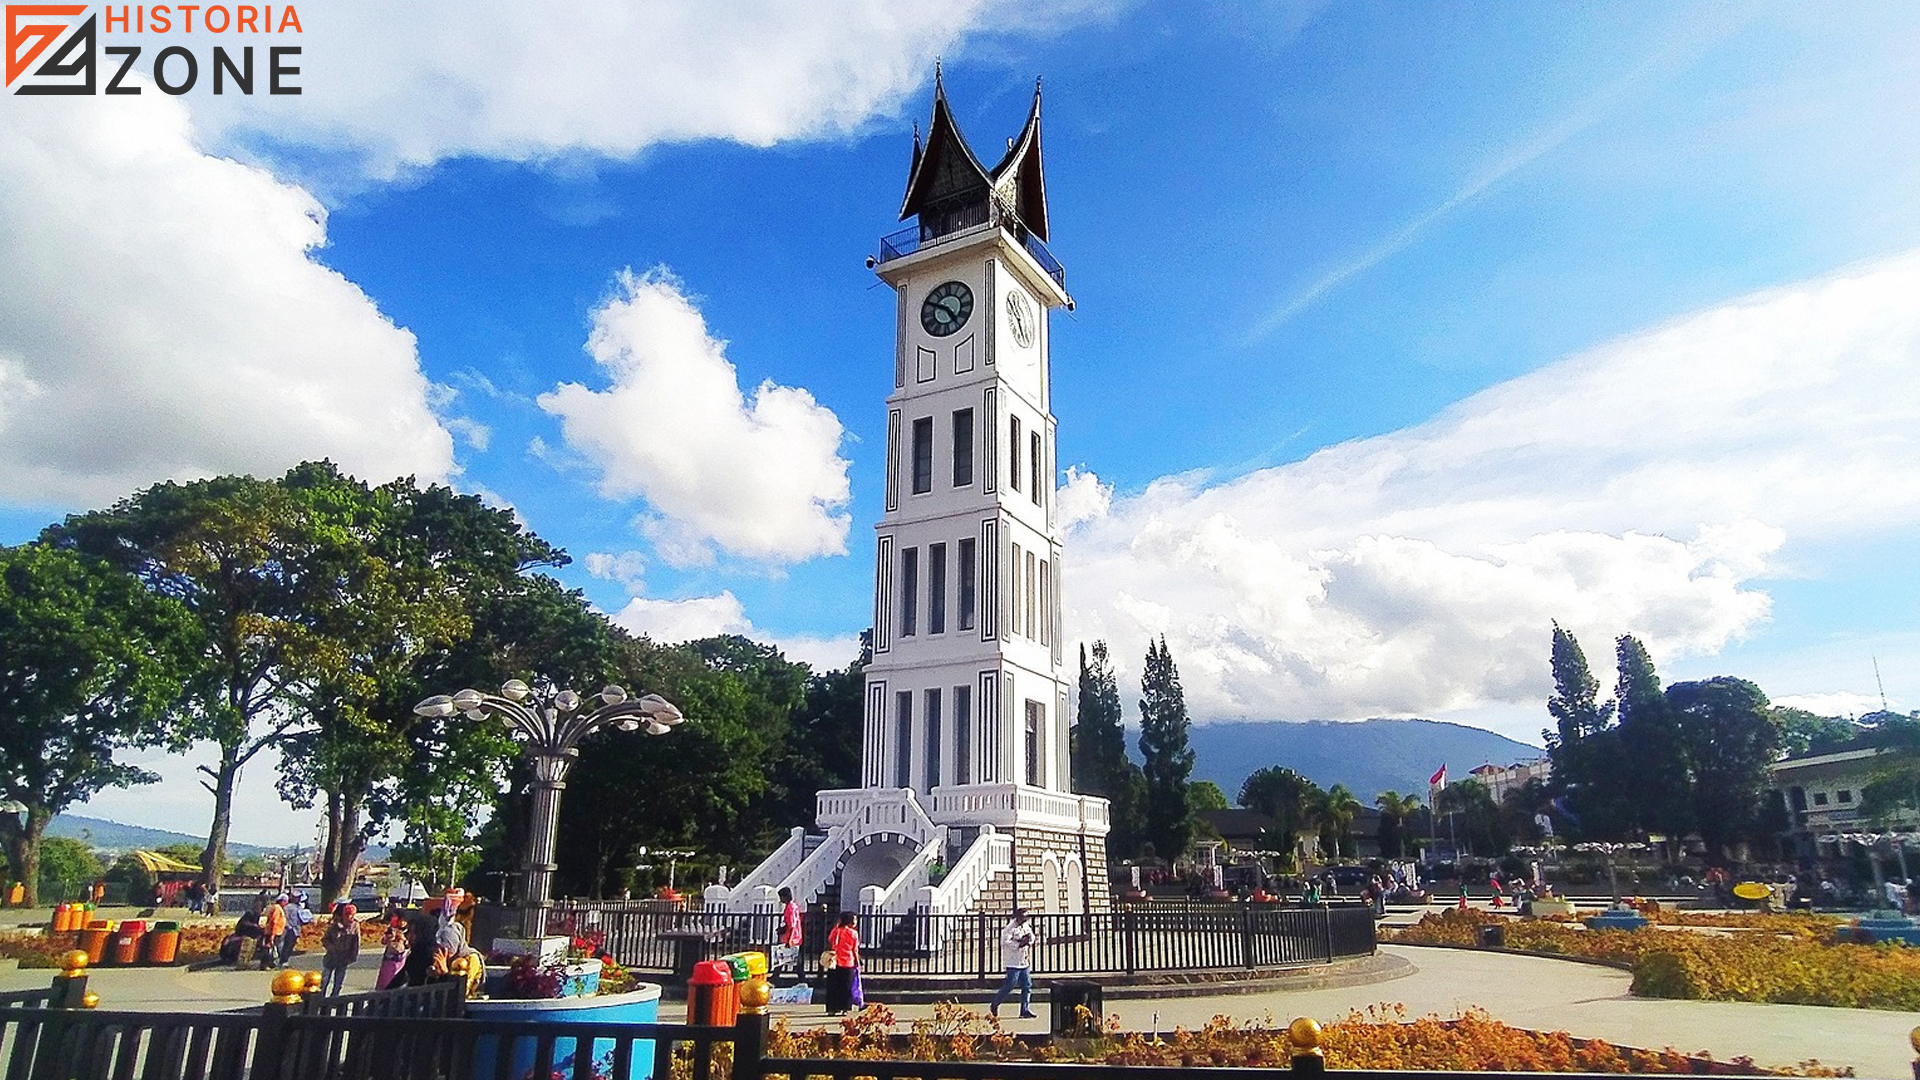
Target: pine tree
[1584,748]
[1099,751]
[1164,749]
[1657,785]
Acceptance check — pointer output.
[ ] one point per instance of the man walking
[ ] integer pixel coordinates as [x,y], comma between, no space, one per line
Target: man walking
[1016,952]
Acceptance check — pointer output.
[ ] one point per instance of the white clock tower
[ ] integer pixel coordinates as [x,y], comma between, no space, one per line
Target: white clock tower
[965,798]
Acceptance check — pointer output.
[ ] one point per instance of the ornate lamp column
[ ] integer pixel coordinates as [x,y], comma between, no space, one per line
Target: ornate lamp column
[549,724]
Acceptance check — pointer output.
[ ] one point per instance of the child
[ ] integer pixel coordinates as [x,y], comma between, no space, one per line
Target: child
[393,954]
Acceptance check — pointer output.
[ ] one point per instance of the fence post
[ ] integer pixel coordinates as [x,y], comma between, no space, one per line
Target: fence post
[1128,951]
[270,1046]
[70,986]
[1308,1059]
[1246,933]
[981,954]
[750,1031]
[1327,910]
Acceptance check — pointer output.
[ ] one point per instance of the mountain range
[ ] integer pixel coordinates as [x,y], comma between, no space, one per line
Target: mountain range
[1368,756]
[115,836]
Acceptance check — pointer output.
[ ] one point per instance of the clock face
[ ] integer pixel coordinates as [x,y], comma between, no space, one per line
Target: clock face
[946,308]
[1021,318]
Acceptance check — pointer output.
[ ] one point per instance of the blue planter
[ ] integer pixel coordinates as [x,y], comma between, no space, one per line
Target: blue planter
[640,1006]
[1617,920]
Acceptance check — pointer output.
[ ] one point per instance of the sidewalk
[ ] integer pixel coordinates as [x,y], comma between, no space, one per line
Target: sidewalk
[1529,992]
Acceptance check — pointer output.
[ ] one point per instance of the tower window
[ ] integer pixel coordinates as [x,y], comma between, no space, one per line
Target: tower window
[1013,456]
[1035,462]
[962,735]
[933,739]
[1013,600]
[962,448]
[923,455]
[1036,717]
[966,573]
[1046,603]
[903,749]
[936,589]
[1032,593]
[909,591]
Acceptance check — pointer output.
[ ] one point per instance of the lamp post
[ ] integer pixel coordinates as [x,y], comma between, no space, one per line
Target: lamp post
[549,723]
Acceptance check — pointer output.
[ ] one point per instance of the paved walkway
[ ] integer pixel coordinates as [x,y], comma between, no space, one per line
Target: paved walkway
[1541,994]
[1529,992]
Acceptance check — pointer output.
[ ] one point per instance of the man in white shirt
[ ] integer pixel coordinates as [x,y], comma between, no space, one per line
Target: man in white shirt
[1016,952]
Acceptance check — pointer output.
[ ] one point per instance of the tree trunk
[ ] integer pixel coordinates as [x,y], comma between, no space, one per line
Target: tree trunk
[23,849]
[344,846]
[213,858]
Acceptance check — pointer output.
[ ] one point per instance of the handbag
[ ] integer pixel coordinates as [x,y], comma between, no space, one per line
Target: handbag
[826,959]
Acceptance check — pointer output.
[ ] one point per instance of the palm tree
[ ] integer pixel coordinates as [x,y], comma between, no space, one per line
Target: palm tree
[1395,809]
[1336,812]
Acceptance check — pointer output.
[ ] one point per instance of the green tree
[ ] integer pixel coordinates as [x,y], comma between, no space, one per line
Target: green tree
[1803,732]
[1336,813]
[90,665]
[1656,781]
[66,866]
[1291,800]
[1731,739]
[1473,818]
[256,568]
[1395,809]
[1206,795]
[1165,752]
[1583,746]
[1098,743]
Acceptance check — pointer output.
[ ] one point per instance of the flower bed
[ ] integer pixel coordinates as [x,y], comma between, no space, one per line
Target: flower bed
[1381,1038]
[1793,964]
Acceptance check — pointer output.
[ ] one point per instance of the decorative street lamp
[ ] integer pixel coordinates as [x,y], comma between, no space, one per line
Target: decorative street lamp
[550,724]
[1607,851]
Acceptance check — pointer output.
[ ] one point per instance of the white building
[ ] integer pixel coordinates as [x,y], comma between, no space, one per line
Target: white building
[965,760]
[1502,779]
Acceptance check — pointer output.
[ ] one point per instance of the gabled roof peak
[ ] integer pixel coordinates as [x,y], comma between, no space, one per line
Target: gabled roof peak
[945,170]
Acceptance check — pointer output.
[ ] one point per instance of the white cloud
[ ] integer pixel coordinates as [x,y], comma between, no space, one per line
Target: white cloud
[162,316]
[761,477]
[674,621]
[629,568]
[1836,703]
[408,84]
[1646,487]
[1082,498]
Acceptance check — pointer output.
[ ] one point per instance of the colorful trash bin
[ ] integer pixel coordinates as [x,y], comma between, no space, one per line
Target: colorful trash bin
[710,994]
[95,939]
[161,944]
[59,924]
[746,965]
[125,950]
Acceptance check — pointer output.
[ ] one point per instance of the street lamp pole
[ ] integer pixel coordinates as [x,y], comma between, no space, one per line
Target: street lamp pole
[549,724]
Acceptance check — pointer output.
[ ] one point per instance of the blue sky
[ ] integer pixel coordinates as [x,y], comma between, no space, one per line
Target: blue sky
[1402,330]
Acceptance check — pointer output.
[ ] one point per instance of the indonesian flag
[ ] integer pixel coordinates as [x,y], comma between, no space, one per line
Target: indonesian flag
[1439,778]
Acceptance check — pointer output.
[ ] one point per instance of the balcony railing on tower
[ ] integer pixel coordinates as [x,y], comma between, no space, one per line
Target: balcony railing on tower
[927,233]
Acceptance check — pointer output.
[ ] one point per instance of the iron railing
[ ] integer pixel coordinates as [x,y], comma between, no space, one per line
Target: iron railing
[1135,939]
[925,234]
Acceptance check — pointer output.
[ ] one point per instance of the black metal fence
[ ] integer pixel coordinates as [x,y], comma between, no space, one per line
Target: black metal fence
[1128,941]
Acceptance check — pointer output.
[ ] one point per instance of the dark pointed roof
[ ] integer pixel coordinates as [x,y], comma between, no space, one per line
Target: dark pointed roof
[946,170]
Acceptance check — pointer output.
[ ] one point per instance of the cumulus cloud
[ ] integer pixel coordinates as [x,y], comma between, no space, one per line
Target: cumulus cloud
[408,84]
[674,621]
[629,568]
[1648,486]
[760,476]
[163,316]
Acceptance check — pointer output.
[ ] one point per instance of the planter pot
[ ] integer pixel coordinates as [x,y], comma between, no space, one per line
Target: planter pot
[1553,907]
[639,1006]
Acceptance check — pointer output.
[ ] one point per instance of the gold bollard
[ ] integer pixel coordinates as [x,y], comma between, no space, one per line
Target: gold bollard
[1308,1058]
[755,995]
